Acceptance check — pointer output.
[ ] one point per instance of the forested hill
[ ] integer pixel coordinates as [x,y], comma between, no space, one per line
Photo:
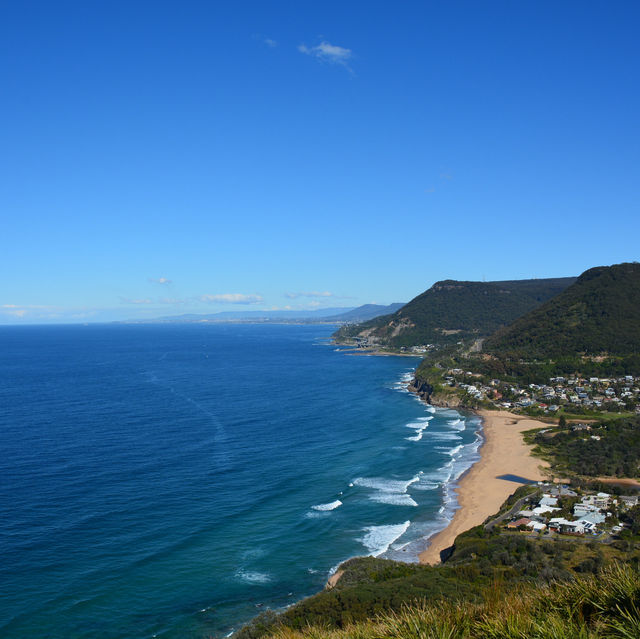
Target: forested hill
[452,310]
[598,314]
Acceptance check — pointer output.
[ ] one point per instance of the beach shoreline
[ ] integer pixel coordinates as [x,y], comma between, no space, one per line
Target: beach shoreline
[480,491]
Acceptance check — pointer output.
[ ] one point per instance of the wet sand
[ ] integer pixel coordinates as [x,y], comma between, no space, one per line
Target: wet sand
[480,491]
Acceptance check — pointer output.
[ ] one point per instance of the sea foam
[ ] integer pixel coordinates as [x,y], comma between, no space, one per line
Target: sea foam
[253,577]
[377,539]
[389,491]
[330,506]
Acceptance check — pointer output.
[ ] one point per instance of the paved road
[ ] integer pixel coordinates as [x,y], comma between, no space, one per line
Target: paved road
[510,513]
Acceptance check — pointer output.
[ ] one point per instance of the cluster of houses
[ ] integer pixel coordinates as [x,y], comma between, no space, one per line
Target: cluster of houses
[590,512]
[595,393]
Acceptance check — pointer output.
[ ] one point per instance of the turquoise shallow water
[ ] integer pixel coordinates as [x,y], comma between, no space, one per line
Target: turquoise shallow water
[174,480]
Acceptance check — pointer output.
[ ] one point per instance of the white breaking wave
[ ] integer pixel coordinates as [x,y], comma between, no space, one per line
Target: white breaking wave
[446,437]
[458,424]
[377,539]
[419,426]
[393,499]
[389,491]
[386,485]
[330,506]
[426,486]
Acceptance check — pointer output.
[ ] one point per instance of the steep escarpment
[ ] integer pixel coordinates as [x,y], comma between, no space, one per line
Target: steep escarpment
[597,315]
[452,311]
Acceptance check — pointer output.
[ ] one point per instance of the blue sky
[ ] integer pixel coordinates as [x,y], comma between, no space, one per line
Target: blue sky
[160,158]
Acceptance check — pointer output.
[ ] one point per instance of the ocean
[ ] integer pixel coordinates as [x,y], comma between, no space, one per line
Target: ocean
[176,480]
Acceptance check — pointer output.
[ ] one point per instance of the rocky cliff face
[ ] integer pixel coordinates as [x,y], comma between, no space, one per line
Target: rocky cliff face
[425,391]
[422,389]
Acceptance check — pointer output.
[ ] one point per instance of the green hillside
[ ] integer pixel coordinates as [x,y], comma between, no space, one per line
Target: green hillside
[451,311]
[588,608]
[598,314]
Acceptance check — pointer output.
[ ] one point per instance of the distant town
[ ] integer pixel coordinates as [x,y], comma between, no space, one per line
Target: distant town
[615,394]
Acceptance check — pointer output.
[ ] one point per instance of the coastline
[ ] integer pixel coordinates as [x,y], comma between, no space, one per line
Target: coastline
[480,491]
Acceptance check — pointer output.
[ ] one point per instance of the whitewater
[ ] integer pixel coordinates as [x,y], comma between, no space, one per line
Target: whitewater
[176,480]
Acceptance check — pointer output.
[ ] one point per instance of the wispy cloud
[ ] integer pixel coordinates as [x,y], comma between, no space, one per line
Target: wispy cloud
[39,312]
[294,296]
[327,52]
[446,176]
[160,280]
[22,310]
[231,298]
[270,43]
[127,300]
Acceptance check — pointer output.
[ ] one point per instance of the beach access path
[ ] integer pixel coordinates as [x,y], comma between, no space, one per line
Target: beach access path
[482,491]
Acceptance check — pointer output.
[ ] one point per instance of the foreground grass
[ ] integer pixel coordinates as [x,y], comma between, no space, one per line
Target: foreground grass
[606,605]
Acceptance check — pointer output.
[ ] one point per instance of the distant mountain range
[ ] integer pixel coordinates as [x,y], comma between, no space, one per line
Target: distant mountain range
[453,310]
[598,314]
[322,315]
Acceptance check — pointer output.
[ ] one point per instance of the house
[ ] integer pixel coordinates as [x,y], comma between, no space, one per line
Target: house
[561,525]
[629,500]
[536,526]
[579,510]
[593,518]
[562,491]
[524,521]
[589,526]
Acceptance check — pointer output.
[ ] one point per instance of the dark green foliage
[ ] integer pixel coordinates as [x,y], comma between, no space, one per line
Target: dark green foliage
[451,311]
[587,608]
[513,369]
[599,313]
[632,517]
[616,453]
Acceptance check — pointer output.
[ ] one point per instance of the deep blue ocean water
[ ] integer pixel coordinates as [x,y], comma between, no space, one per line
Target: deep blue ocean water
[175,480]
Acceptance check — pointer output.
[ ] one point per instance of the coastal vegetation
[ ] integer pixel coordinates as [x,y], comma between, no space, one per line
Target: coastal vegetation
[453,311]
[486,565]
[598,315]
[587,608]
[610,448]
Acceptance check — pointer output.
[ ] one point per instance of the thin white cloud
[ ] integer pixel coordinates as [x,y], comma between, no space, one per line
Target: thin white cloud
[270,43]
[27,306]
[327,52]
[294,296]
[127,300]
[160,280]
[231,298]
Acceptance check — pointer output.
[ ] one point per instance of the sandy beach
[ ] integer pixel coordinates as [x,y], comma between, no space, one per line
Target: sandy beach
[481,492]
